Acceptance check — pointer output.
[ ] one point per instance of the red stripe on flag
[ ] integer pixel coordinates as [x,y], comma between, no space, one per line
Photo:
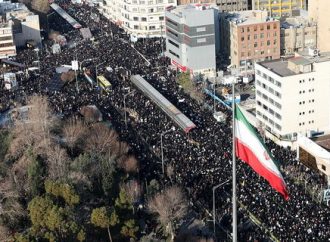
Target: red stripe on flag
[246,155]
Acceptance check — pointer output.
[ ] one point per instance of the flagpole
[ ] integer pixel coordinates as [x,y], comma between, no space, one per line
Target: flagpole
[234,169]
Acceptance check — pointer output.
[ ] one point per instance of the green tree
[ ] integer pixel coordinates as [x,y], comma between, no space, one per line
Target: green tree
[62,190]
[100,217]
[36,174]
[81,236]
[129,229]
[123,201]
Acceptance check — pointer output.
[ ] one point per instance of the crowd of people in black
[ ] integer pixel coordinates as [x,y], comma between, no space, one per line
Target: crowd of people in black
[200,159]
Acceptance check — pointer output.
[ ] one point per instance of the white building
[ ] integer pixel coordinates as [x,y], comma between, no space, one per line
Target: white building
[140,18]
[25,24]
[26,27]
[7,46]
[192,39]
[292,96]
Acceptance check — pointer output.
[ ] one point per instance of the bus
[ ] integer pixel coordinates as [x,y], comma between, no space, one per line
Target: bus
[104,83]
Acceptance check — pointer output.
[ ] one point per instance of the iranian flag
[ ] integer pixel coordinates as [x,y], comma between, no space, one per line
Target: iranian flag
[251,150]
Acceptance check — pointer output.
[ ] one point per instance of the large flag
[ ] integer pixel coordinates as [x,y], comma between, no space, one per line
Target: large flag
[251,149]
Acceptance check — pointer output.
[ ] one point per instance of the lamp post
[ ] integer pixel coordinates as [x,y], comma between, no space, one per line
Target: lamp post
[213,196]
[125,116]
[161,146]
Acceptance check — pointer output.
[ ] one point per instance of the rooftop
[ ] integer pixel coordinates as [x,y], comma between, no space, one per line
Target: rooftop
[179,10]
[282,68]
[249,17]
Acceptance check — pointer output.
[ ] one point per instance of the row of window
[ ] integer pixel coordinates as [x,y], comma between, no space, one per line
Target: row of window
[262,52]
[309,90]
[173,53]
[270,121]
[261,36]
[270,100]
[309,122]
[268,78]
[303,113]
[269,89]
[310,80]
[256,27]
[271,111]
[309,101]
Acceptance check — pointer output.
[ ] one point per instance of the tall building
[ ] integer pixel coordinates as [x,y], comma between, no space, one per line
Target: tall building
[249,36]
[318,11]
[279,8]
[297,34]
[25,24]
[224,5]
[7,45]
[232,5]
[192,39]
[140,18]
[292,95]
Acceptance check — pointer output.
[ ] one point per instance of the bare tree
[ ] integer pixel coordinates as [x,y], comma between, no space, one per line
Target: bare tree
[57,161]
[169,206]
[128,163]
[101,139]
[73,131]
[133,190]
[35,128]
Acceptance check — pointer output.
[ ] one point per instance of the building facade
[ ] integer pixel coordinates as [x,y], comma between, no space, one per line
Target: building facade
[191,38]
[292,96]
[249,36]
[7,45]
[297,34]
[279,8]
[140,18]
[224,5]
[318,11]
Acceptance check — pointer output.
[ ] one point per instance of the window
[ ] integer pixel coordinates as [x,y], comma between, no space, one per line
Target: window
[152,27]
[278,84]
[271,79]
[242,30]
[268,42]
[262,35]
[242,38]
[161,18]
[201,29]
[277,94]
[144,19]
[173,43]
[171,22]
[255,36]
[255,44]
[278,116]
[202,40]
[171,32]
[268,26]
[175,54]
[135,18]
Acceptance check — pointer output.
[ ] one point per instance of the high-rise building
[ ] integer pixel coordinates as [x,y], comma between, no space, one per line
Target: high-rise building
[140,18]
[297,34]
[318,11]
[224,5]
[279,8]
[192,38]
[249,36]
[7,45]
[291,95]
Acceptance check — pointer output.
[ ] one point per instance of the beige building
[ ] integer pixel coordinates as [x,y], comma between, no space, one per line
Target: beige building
[224,5]
[279,8]
[297,34]
[318,11]
[249,36]
[7,46]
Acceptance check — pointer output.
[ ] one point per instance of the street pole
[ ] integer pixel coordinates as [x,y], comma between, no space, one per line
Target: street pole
[213,198]
[234,168]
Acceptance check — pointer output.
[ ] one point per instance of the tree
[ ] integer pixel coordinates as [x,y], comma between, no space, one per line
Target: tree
[58,162]
[169,206]
[100,217]
[128,163]
[129,229]
[62,190]
[73,131]
[36,174]
[133,191]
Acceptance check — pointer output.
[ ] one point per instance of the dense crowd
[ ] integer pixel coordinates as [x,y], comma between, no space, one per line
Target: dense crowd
[200,159]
